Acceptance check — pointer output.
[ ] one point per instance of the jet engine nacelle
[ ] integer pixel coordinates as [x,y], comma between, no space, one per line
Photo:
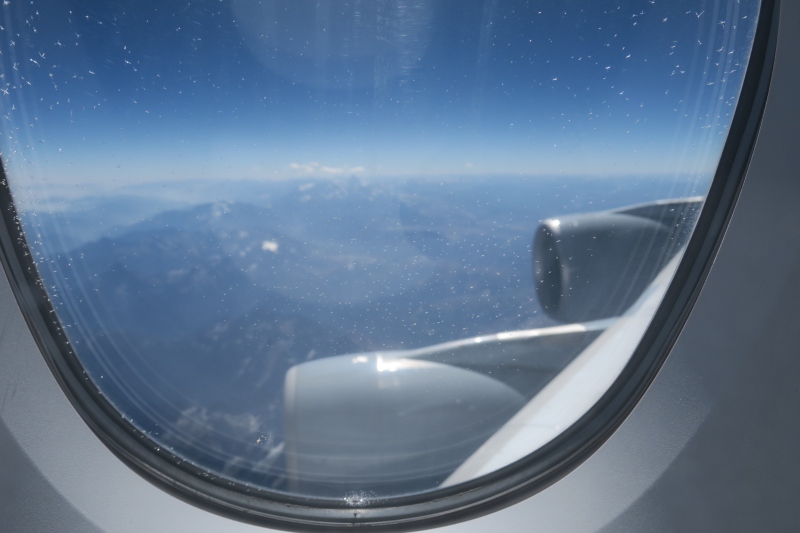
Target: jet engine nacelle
[595,265]
[379,423]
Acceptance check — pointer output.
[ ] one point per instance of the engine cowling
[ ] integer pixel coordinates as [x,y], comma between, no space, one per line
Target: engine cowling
[380,423]
[595,265]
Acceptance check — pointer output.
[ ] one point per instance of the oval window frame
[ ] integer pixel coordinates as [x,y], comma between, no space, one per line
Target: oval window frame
[483,495]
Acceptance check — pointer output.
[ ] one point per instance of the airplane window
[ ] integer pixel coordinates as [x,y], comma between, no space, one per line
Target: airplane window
[351,252]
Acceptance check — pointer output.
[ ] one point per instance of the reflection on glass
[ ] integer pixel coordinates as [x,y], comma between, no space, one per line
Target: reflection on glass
[343,249]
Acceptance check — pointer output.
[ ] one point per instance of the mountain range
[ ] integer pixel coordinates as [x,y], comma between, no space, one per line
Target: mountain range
[188,315]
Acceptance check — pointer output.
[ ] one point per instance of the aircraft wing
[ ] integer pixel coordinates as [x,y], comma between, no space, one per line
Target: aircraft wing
[448,413]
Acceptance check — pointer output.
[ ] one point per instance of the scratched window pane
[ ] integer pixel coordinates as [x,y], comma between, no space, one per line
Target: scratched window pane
[339,249]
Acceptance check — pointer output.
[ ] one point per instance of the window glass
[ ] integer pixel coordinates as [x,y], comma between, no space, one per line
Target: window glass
[361,249]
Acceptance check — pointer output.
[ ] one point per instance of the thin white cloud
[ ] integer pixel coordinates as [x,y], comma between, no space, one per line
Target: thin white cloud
[305,167]
[316,168]
[332,170]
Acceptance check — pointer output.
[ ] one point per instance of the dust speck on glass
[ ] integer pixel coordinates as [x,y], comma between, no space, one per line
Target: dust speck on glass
[360,249]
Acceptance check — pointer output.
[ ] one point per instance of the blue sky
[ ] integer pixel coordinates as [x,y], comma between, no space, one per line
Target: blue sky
[108,93]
